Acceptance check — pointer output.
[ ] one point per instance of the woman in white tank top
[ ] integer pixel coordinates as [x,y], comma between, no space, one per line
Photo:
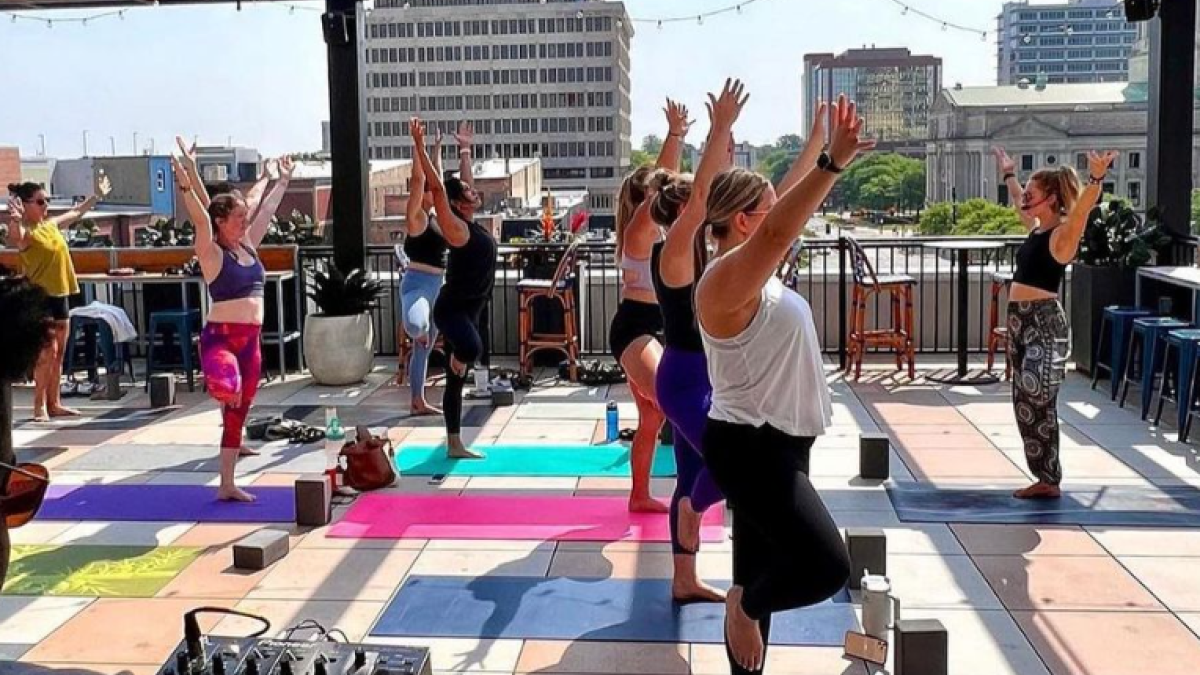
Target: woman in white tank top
[770,399]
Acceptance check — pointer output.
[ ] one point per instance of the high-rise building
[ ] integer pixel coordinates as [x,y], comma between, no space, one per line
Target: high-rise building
[1076,41]
[544,79]
[893,88]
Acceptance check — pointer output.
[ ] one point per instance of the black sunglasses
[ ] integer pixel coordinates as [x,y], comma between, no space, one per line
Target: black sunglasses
[39,202]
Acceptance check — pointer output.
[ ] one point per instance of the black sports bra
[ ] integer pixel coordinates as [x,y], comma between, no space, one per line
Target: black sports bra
[678,307]
[1036,264]
[427,248]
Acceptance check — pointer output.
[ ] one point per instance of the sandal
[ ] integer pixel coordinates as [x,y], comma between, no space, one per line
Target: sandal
[626,434]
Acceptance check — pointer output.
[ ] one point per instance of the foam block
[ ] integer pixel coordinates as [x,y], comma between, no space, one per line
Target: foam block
[868,552]
[874,455]
[162,390]
[260,550]
[922,647]
[314,501]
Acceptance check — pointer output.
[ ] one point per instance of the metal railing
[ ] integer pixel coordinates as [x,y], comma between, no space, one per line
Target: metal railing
[825,279]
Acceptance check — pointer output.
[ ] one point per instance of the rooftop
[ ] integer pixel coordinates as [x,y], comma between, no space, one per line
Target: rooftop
[1053,95]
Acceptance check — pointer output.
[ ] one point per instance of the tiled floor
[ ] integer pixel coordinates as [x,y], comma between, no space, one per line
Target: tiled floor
[1017,600]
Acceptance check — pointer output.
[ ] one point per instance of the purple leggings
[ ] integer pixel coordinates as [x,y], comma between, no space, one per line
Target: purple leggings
[232,360]
[684,396]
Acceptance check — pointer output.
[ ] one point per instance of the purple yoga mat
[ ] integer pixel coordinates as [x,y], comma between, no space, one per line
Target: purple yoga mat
[171,503]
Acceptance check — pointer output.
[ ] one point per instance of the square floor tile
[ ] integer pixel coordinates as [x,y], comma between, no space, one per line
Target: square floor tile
[1172,580]
[482,562]
[711,660]
[335,574]
[123,534]
[29,620]
[213,575]
[1026,540]
[118,631]
[1175,542]
[541,656]
[353,618]
[1111,643]
[934,463]
[949,582]
[1064,583]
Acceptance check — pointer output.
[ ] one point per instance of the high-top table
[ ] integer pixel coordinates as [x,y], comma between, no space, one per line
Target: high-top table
[964,248]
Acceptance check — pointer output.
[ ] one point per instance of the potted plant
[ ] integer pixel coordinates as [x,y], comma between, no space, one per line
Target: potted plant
[1115,243]
[339,340]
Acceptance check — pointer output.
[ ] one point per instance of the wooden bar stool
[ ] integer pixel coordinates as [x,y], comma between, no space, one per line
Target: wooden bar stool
[899,336]
[560,289]
[404,344]
[998,332]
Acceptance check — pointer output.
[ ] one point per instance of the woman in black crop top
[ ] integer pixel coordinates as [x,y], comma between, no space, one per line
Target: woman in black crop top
[1055,209]
[470,275]
[424,264]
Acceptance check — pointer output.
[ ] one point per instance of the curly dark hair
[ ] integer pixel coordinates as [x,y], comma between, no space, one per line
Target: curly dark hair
[27,325]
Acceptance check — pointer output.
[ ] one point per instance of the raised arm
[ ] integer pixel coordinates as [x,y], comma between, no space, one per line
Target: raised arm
[77,212]
[1064,243]
[417,219]
[454,231]
[254,196]
[270,203]
[670,156]
[465,137]
[1016,193]
[16,223]
[205,246]
[737,279]
[193,171]
[678,266]
[807,160]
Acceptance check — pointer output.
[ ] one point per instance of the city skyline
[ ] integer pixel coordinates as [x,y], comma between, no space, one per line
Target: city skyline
[280,70]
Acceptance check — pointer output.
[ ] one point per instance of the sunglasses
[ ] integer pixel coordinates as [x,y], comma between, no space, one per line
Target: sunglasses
[39,202]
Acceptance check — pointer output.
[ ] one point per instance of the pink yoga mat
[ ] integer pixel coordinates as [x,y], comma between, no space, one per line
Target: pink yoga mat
[521,518]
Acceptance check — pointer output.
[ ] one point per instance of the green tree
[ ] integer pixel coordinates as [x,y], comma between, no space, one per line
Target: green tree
[975,217]
[1196,210]
[652,144]
[641,158]
[937,220]
[790,142]
[775,165]
[884,181]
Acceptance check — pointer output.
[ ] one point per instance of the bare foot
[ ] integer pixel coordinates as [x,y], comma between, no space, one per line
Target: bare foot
[423,409]
[742,632]
[689,526]
[456,450]
[695,591]
[232,493]
[647,505]
[1039,490]
[40,416]
[247,452]
[61,411]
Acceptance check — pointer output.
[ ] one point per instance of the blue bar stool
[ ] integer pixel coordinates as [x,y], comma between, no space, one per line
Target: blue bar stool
[1181,351]
[1116,324]
[183,324]
[1144,341]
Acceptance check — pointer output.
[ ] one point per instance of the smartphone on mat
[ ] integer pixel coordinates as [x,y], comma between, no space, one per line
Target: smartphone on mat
[867,648]
[437,479]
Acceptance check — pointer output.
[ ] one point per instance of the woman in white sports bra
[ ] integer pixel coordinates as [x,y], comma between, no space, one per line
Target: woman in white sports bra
[770,399]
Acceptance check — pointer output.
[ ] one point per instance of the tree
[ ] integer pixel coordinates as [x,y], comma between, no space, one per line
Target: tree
[775,165]
[790,142]
[974,217]
[1195,210]
[641,158]
[652,144]
[884,181]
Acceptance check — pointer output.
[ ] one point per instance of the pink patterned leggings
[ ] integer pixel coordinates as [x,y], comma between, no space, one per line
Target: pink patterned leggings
[231,357]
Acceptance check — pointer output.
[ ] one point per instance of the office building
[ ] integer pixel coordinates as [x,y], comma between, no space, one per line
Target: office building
[1074,42]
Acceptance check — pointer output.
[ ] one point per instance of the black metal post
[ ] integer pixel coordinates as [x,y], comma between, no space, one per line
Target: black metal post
[7,456]
[1172,81]
[344,28]
[964,288]
[843,335]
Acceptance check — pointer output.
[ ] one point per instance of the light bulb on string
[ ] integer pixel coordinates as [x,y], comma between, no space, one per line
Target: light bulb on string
[700,20]
[739,9]
[944,27]
[660,25]
[904,12]
[121,15]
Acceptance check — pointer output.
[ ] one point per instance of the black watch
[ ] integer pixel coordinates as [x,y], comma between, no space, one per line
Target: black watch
[826,163]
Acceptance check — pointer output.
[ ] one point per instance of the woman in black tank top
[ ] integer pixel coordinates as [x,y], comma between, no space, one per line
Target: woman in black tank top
[1055,209]
[470,276]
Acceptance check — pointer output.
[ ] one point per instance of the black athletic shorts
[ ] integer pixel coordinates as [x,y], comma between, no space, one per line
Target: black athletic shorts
[59,307]
[633,320]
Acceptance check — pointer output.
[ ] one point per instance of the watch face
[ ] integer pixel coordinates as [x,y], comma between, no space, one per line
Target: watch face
[824,160]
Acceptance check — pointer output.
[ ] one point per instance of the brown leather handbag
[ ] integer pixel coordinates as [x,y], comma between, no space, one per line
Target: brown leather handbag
[27,485]
[368,462]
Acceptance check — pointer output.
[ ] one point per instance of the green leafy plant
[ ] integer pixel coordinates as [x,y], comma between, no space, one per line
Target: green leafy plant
[1116,236]
[973,217]
[343,295]
[295,229]
[1195,211]
[85,234]
[166,232]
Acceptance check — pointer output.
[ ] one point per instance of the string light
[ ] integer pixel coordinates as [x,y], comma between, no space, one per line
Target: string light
[49,23]
[735,8]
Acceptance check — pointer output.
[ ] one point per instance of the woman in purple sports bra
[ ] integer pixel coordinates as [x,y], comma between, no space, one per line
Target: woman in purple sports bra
[229,228]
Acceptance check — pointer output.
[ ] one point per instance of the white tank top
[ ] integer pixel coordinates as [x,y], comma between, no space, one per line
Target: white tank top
[772,373]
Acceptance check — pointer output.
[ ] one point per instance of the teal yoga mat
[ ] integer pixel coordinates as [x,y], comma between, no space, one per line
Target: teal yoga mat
[586,461]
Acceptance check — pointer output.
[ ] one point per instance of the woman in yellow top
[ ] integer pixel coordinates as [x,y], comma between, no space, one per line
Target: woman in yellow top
[47,263]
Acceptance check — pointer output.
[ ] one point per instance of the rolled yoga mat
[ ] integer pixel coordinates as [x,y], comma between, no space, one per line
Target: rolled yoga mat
[387,516]
[584,461]
[597,610]
[1115,506]
[171,503]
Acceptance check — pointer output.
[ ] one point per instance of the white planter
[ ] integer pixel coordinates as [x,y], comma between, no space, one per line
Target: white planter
[339,349]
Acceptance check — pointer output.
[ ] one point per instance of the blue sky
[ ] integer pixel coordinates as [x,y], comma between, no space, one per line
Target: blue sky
[259,76]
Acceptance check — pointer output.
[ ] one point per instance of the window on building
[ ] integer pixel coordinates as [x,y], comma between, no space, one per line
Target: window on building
[1027,162]
[1108,188]
[1135,160]
[1081,161]
[1135,192]
[160,180]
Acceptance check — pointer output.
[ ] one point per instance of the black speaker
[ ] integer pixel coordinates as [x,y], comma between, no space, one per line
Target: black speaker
[1140,10]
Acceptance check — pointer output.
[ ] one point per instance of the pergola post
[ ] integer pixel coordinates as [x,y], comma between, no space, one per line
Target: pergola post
[1172,40]
[344,24]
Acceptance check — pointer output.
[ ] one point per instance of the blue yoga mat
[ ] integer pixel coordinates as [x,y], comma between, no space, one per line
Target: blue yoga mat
[168,503]
[530,460]
[1117,506]
[597,610]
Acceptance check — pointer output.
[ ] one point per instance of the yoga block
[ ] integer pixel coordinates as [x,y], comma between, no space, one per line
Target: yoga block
[922,647]
[260,550]
[874,456]
[503,398]
[868,552]
[314,501]
[162,390]
[667,435]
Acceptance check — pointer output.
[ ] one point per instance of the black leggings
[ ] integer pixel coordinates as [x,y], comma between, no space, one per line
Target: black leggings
[787,552]
[459,323]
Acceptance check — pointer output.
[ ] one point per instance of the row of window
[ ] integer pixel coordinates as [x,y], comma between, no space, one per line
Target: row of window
[1133,160]
[1059,15]
[546,125]
[1060,54]
[568,149]
[590,99]
[437,29]
[456,54]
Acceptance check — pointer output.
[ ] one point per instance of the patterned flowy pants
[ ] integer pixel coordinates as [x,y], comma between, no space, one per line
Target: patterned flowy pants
[1038,348]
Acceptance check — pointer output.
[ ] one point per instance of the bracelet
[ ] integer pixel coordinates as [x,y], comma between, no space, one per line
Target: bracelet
[1009,175]
[1092,180]
[675,135]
